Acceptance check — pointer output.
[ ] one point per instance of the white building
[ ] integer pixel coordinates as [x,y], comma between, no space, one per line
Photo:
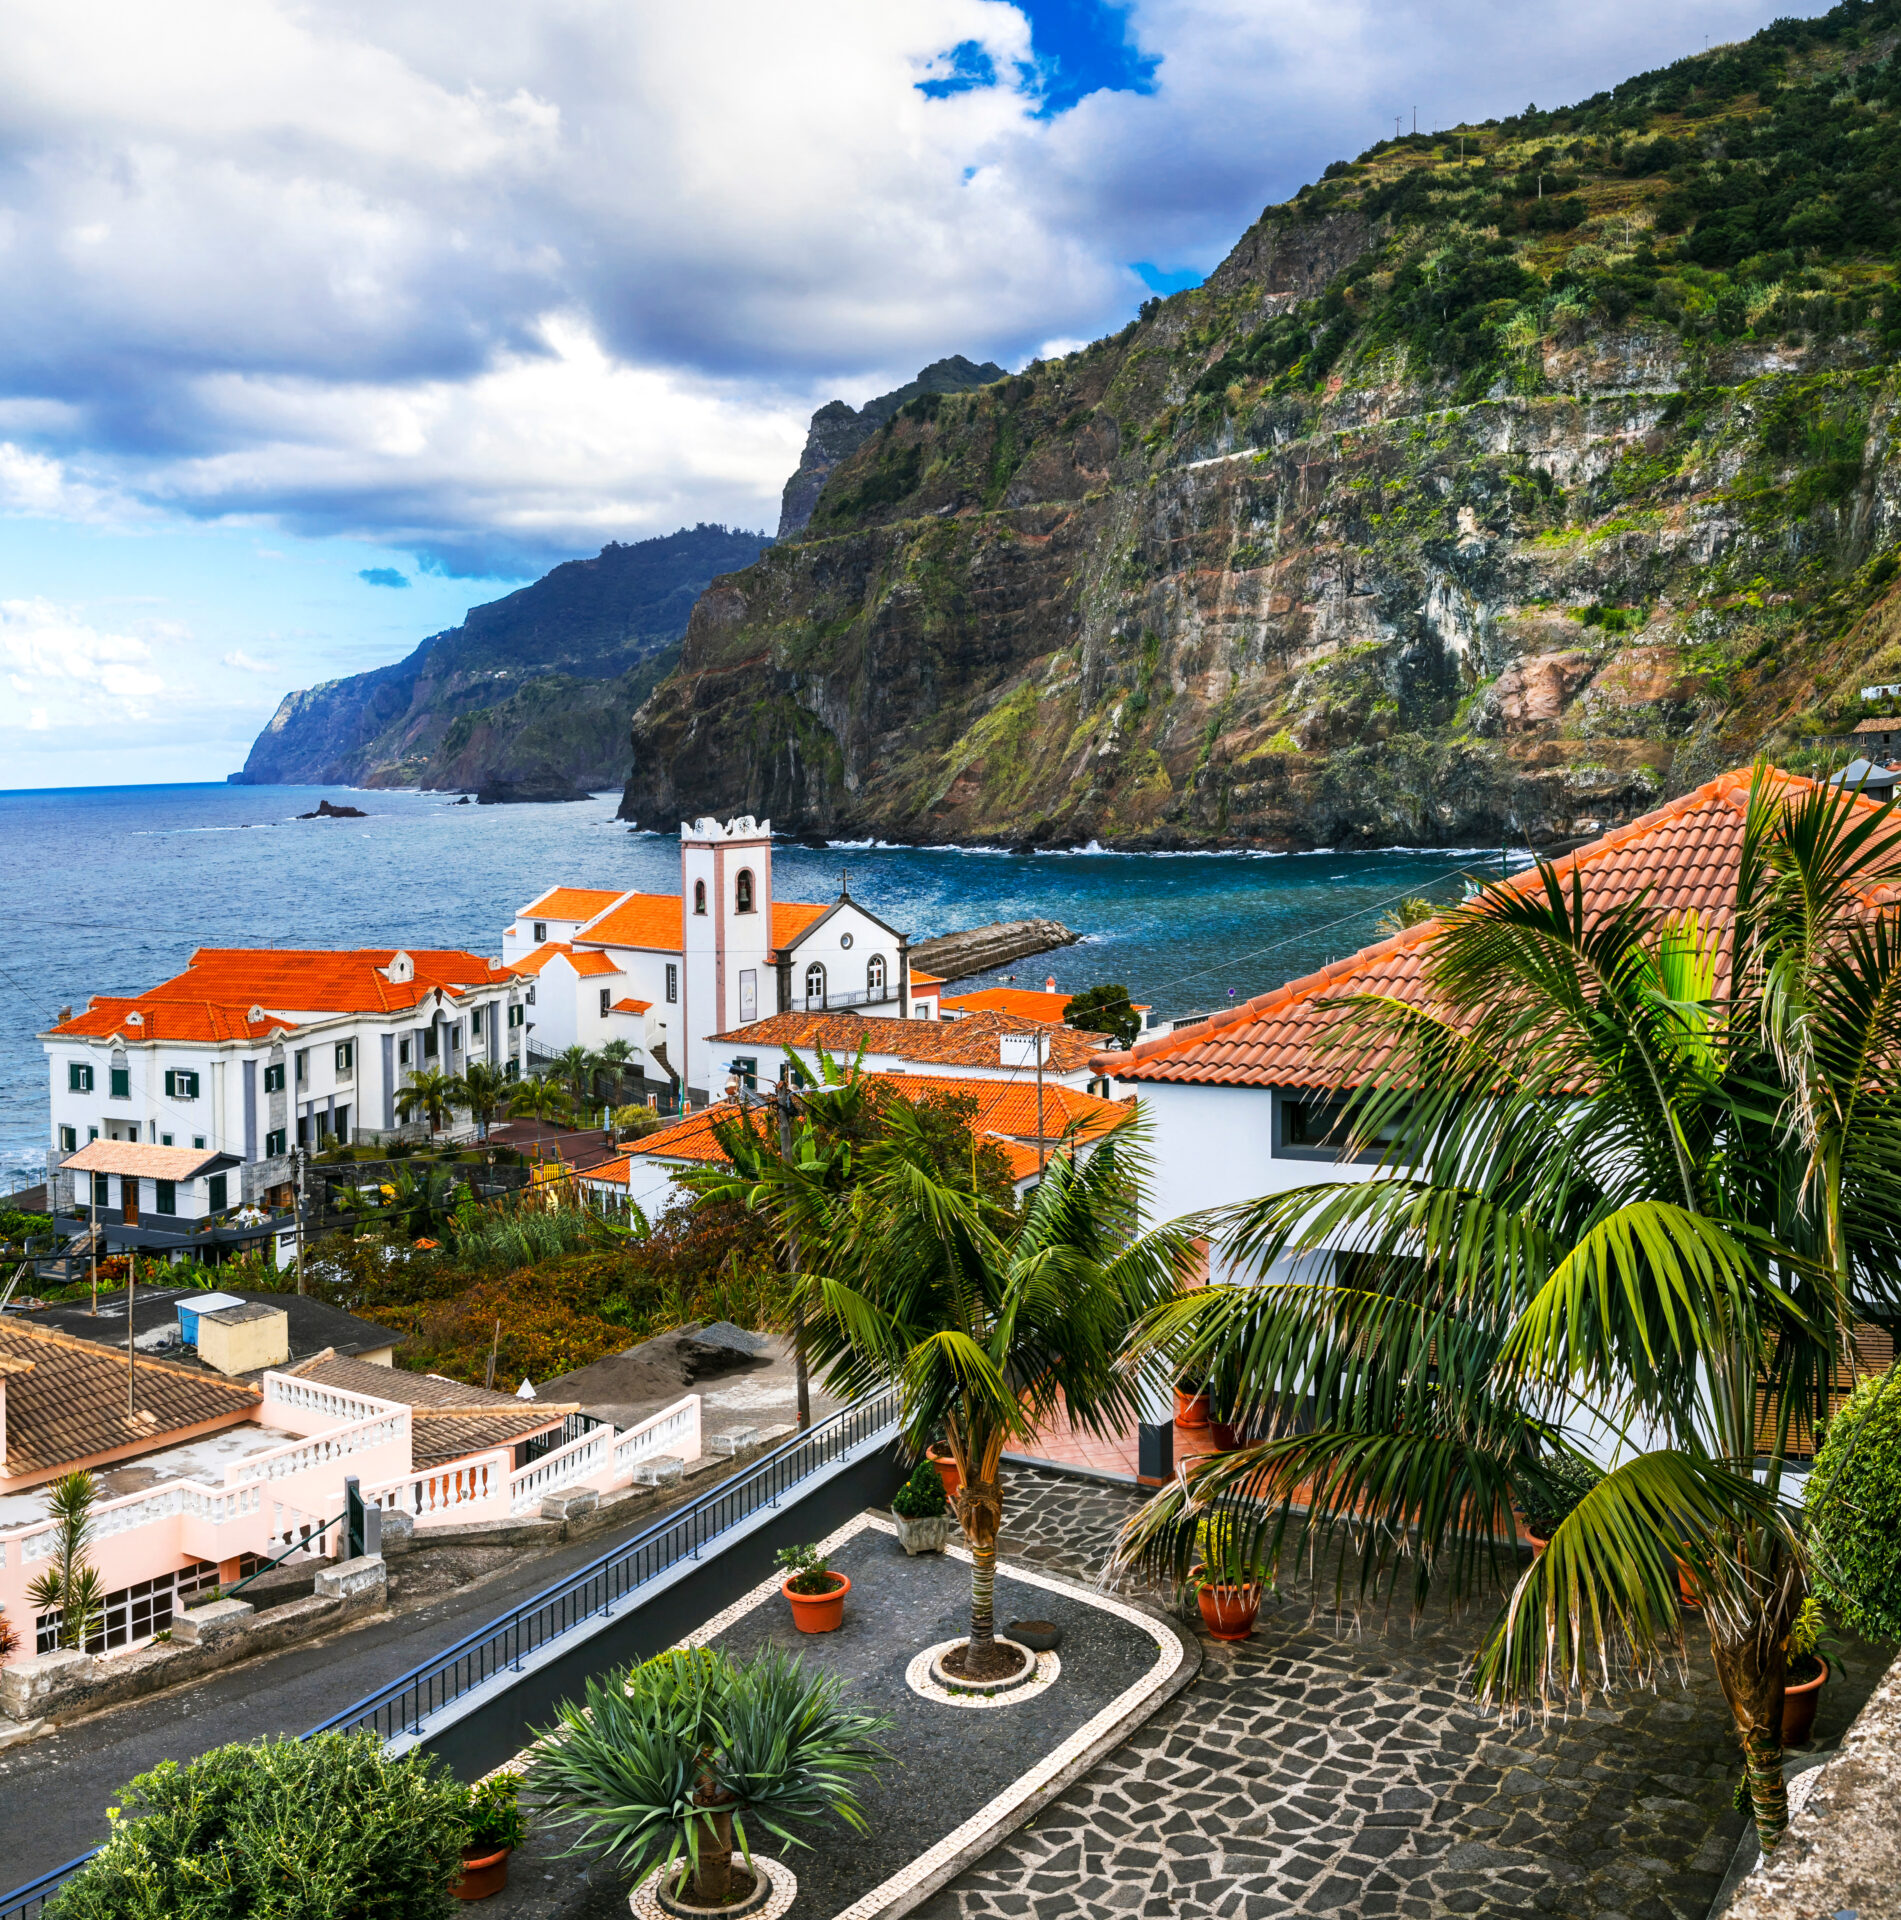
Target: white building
[664,972]
[252,1051]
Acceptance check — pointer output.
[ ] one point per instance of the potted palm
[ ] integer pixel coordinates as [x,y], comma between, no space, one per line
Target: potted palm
[1548,1493]
[496,1828]
[1808,1672]
[674,1760]
[1228,1578]
[922,1511]
[815,1591]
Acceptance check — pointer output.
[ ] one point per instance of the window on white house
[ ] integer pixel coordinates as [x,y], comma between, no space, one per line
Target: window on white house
[78,1077]
[742,891]
[699,896]
[874,976]
[101,1190]
[303,1065]
[673,983]
[165,1192]
[475,1023]
[165,1139]
[455,1039]
[541,933]
[121,1083]
[274,1078]
[512,1071]
[69,1139]
[346,1056]
[402,1053]
[430,1046]
[920,1009]
[815,983]
[92,1133]
[274,1143]
[215,1201]
[605,1003]
[180,1085]
[517,1014]
[198,1140]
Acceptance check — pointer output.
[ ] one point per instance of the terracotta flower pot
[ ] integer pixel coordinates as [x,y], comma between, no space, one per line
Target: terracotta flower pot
[1799,1701]
[1228,1612]
[1686,1587]
[1191,1409]
[818,1612]
[946,1464]
[483,1874]
[1537,1546]
[1226,1437]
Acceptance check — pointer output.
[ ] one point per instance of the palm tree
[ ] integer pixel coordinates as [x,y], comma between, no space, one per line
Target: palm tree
[484,1089]
[1635,1165]
[430,1093]
[990,1320]
[575,1067]
[614,1059]
[545,1100]
[72,1583]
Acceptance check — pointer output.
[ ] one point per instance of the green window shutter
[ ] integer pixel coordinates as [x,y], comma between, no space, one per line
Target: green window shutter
[121,1083]
[215,1193]
[166,1200]
[101,1190]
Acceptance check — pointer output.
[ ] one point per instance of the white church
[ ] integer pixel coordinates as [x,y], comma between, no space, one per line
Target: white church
[664,972]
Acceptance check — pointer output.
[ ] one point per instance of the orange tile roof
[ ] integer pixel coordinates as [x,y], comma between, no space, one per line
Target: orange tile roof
[969,1042]
[1683,856]
[637,920]
[1006,1113]
[66,1401]
[142,1161]
[585,964]
[790,918]
[613,1172]
[632,1006]
[201,1021]
[919,978]
[570,903]
[1027,1003]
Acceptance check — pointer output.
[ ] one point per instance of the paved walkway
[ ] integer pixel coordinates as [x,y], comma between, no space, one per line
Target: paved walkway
[1323,1769]
[1114,1454]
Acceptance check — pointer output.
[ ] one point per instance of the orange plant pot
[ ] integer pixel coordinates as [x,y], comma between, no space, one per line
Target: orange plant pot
[1537,1546]
[1228,1612]
[946,1464]
[1800,1698]
[1226,1437]
[483,1875]
[1191,1409]
[818,1612]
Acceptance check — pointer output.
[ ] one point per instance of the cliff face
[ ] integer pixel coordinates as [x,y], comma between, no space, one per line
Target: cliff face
[532,693]
[1502,483]
[838,431]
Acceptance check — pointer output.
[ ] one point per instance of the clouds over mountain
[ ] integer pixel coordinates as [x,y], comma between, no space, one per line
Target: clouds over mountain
[489,282]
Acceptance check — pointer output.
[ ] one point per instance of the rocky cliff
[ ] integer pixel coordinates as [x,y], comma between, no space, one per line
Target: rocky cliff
[530,697]
[838,431]
[1502,482]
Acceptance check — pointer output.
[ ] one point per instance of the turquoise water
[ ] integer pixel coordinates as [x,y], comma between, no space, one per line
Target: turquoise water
[114,887]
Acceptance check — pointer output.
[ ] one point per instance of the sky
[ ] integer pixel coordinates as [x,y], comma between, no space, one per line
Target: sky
[322,322]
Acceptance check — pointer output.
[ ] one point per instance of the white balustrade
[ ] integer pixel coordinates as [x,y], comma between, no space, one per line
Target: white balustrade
[306,1456]
[674,1429]
[312,1396]
[439,1490]
[578,1460]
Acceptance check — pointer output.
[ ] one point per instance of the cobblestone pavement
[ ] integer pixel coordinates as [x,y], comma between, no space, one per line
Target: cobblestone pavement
[1320,1769]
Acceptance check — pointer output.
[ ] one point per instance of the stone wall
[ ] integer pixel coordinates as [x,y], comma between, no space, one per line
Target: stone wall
[1841,1858]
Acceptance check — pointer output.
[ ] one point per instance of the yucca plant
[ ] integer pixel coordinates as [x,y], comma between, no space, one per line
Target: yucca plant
[72,1583]
[1637,1171]
[429,1093]
[677,1756]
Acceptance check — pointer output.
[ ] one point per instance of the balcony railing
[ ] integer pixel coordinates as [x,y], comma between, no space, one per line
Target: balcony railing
[852,997]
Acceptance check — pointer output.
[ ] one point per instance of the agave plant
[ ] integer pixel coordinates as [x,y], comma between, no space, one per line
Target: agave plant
[677,1756]
[71,1584]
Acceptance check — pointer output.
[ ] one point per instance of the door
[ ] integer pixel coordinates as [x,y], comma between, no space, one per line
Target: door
[129,1200]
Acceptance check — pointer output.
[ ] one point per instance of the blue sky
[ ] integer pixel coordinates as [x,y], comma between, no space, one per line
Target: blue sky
[320,323]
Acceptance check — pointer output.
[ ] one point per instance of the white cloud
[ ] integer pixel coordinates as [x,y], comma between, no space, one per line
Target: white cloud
[488,276]
[242,662]
[54,656]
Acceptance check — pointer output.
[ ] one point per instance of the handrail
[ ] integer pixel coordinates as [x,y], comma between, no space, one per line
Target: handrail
[686,1533]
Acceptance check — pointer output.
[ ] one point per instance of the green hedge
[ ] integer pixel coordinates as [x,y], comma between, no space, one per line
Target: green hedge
[324,1829]
[1853,1506]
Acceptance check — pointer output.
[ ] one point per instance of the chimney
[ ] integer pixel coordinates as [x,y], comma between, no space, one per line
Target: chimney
[1049,985]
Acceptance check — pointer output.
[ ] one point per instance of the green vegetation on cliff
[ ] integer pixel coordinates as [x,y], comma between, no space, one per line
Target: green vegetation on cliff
[1503,480]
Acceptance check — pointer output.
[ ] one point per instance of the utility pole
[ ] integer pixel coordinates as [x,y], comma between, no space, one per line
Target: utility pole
[297,1208]
[131,1363]
[792,1258]
[1042,1144]
[92,1180]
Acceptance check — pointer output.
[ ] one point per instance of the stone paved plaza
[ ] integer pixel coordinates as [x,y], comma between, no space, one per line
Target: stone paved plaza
[1320,1769]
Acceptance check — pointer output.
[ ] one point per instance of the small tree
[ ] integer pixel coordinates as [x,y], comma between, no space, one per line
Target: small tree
[677,1755]
[575,1068]
[1104,1009]
[71,1584]
[431,1094]
[545,1100]
[1852,1502]
[484,1089]
[1413,911]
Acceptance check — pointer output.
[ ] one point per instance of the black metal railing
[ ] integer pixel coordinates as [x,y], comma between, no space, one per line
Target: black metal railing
[687,1533]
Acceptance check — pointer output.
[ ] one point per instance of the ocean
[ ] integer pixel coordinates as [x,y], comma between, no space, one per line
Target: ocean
[117,885]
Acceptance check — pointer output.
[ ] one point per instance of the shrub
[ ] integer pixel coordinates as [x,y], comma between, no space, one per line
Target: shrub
[1228,1554]
[1853,1507]
[807,1569]
[494,1814]
[1547,1496]
[922,1497]
[323,1829]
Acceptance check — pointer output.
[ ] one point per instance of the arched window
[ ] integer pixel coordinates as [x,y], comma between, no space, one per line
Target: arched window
[815,984]
[699,896]
[742,891]
[874,976]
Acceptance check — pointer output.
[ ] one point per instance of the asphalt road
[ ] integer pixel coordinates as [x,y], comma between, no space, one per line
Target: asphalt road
[56,1789]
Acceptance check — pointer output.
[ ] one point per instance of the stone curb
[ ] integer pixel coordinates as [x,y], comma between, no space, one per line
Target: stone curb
[1098,1749]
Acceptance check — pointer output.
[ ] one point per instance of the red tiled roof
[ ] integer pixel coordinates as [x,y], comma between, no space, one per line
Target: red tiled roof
[570,903]
[1682,857]
[1026,1003]
[969,1042]
[638,920]
[145,1019]
[585,964]
[632,1006]
[790,918]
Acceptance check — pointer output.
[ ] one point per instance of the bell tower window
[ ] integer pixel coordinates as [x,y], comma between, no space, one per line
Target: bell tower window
[699,896]
[742,891]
